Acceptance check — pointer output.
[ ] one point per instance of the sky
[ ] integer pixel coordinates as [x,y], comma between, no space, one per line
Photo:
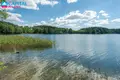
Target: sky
[73,14]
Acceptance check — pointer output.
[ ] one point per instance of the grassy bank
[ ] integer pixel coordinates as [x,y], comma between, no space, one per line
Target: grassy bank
[13,43]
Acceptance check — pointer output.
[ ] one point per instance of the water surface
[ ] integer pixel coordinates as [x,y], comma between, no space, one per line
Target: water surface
[100,53]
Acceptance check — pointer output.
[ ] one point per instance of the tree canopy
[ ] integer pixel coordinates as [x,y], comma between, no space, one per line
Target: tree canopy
[3,15]
[9,28]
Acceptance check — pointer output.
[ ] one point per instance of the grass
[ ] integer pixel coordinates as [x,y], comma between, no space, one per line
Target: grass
[13,43]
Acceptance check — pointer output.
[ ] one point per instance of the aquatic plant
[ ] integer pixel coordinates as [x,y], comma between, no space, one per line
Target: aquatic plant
[2,67]
[14,43]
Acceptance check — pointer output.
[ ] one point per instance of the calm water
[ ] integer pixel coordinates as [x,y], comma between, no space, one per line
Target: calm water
[96,52]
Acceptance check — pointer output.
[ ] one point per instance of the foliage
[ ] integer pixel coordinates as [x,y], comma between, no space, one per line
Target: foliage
[98,30]
[45,29]
[2,67]
[9,28]
[94,30]
[3,14]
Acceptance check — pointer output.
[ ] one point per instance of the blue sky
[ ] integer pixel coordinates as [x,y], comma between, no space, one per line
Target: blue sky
[73,14]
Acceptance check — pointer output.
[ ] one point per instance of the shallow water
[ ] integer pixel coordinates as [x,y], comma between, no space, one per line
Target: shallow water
[71,54]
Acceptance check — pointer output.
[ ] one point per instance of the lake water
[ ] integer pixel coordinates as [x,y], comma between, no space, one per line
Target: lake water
[100,53]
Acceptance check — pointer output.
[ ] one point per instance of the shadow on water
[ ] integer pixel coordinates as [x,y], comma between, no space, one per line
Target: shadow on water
[19,48]
[45,65]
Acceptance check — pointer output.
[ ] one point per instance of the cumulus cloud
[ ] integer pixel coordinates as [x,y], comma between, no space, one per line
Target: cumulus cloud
[103,13]
[48,2]
[77,19]
[14,17]
[95,22]
[30,4]
[71,1]
[76,16]
[103,22]
[116,20]
[33,4]
[74,20]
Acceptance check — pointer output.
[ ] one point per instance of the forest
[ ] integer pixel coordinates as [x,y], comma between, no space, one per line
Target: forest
[9,28]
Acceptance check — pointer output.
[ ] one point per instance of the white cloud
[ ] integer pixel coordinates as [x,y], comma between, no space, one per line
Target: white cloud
[77,16]
[51,19]
[103,13]
[116,20]
[98,17]
[43,22]
[48,2]
[76,20]
[89,14]
[103,22]
[30,4]
[71,1]
[96,22]
[33,4]
[14,17]
[39,23]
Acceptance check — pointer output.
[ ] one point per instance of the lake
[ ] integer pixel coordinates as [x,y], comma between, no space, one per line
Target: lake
[70,53]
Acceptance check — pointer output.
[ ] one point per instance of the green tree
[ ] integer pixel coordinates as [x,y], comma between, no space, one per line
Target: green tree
[3,15]
[18,30]
[70,31]
[45,31]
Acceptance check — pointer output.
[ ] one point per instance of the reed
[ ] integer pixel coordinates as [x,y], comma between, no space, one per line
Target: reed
[12,43]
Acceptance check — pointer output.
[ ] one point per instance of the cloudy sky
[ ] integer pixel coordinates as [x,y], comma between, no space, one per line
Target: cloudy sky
[73,14]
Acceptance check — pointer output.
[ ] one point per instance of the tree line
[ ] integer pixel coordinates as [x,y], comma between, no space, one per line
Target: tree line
[9,28]
[98,30]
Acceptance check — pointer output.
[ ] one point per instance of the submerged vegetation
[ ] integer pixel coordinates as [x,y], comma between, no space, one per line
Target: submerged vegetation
[13,43]
[2,67]
[45,70]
